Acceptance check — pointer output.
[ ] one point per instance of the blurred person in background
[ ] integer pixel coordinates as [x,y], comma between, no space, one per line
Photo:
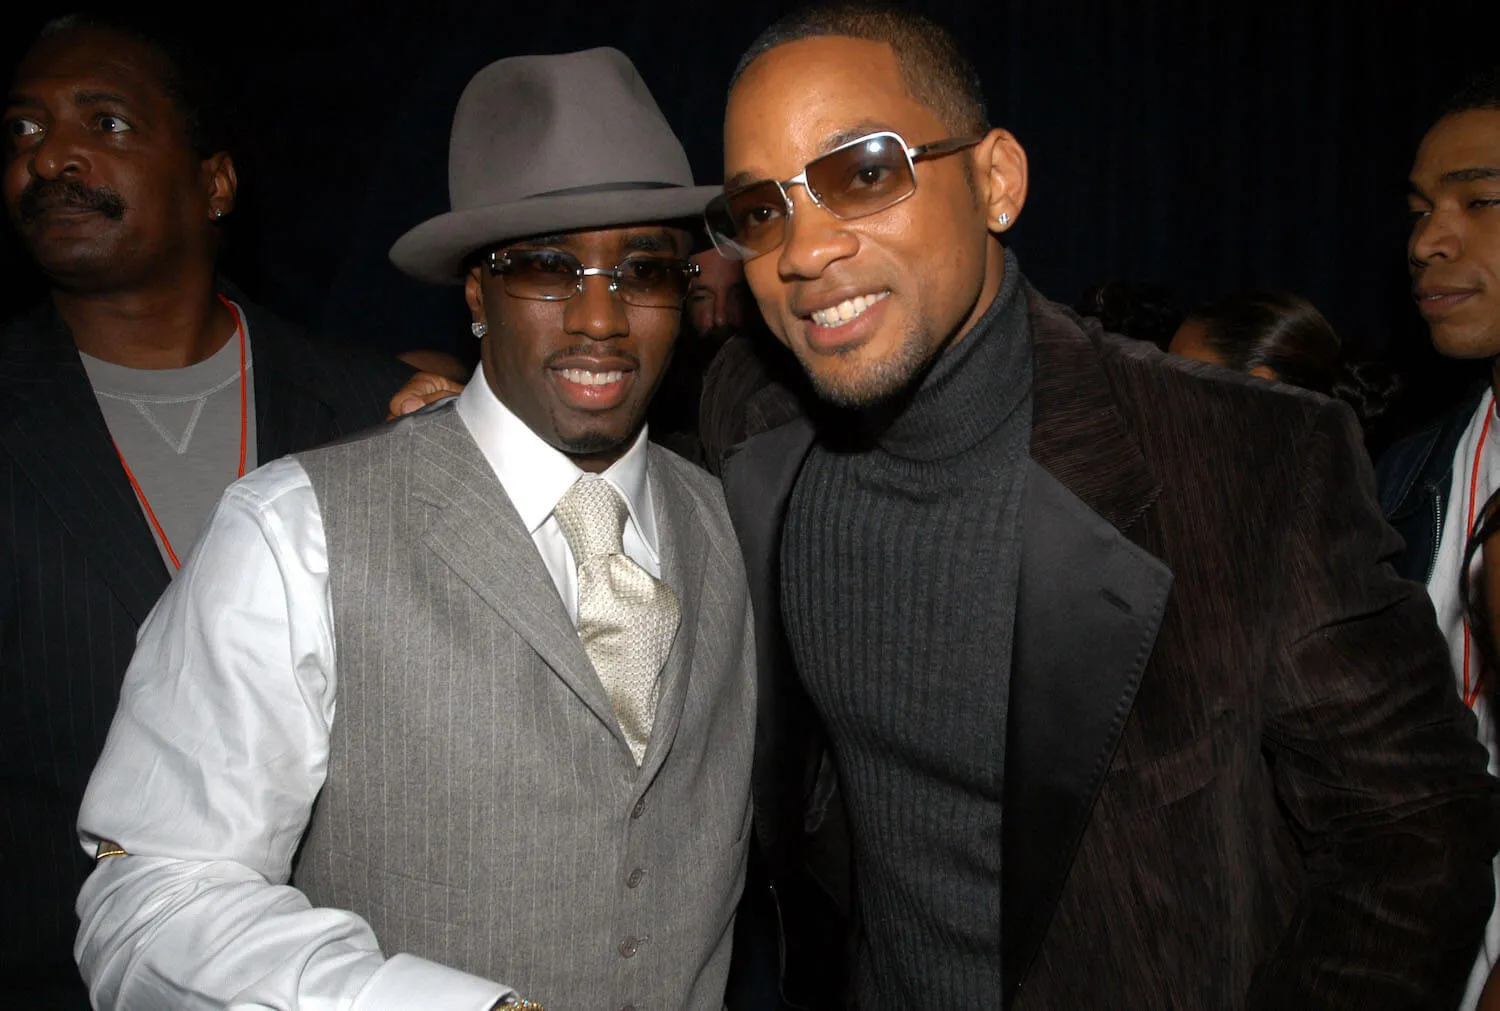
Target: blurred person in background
[1280,336]
[1146,312]
[717,306]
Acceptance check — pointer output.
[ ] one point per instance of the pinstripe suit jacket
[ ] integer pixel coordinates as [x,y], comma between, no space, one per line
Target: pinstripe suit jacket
[79,571]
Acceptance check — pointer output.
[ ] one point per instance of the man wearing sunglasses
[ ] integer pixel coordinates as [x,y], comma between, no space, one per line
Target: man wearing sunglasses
[468,714]
[1092,650]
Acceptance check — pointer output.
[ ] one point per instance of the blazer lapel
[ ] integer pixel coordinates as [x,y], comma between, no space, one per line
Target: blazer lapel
[1089,606]
[291,413]
[684,563]
[479,535]
[758,479]
[51,426]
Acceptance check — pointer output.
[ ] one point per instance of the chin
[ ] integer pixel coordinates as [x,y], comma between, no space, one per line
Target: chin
[594,442]
[75,265]
[1466,342]
[862,377]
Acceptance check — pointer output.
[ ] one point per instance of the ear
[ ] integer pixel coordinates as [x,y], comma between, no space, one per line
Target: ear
[1265,372]
[1001,176]
[223,183]
[474,295]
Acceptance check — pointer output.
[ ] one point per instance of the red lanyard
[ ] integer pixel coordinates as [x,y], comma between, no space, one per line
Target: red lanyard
[1471,692]
[239,327]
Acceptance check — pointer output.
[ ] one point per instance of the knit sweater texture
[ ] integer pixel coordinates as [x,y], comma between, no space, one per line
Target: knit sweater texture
[900,566]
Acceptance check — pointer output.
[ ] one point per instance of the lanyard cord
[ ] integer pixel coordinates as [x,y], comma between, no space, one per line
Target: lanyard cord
[1471,691]
[239,327]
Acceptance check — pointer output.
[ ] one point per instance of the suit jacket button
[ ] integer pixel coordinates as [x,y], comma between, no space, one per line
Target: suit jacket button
[639,809]
[635,878]
[628,947]
[627,1007]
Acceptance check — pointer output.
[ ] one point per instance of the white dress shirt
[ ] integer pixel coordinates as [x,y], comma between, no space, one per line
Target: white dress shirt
[1443,589]
[220,746]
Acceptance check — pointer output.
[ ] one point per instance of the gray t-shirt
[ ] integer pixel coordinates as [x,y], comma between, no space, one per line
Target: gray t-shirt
[179,430]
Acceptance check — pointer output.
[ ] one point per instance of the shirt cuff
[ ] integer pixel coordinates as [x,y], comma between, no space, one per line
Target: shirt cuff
[407,981]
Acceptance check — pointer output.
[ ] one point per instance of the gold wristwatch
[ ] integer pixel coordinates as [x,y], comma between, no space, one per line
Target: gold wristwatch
[518,1004]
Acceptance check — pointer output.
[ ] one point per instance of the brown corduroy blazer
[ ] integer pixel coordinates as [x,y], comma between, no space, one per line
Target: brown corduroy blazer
[1237,773]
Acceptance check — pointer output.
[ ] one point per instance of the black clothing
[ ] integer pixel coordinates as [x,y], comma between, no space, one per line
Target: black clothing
[900,562]
[1228,719]
[79,570]
[1415,477]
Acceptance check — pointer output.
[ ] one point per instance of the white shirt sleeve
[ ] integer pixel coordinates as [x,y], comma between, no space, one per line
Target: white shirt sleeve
[207,781]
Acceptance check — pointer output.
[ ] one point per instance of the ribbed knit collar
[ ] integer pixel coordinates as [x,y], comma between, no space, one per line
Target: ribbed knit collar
[974,387]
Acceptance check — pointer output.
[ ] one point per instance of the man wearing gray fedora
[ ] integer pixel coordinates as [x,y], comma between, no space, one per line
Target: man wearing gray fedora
[458,713]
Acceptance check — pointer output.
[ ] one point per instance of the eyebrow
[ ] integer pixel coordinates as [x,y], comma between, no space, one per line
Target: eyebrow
[852,133]
[650,242]
[1471,175]
[542,240]
[20,98]
[836,139]
[99,98]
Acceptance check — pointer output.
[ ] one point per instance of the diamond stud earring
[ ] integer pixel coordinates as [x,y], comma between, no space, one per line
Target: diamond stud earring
[1003,220]
[479,328]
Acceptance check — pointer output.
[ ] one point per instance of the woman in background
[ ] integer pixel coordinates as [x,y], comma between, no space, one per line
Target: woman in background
[1280,336]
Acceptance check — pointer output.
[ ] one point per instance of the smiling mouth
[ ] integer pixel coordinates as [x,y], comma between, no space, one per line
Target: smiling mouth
[583,377]
[848,309]
[1432,304]
[601,388]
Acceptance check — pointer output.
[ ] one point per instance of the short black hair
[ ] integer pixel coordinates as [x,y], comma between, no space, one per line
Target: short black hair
[1481,91]
[188,79]
[934,70]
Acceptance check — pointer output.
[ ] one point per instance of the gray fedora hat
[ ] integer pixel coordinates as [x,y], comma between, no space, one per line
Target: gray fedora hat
[545,144]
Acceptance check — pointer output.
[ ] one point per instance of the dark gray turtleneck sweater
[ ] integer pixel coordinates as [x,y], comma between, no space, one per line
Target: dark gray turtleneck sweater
[900,563]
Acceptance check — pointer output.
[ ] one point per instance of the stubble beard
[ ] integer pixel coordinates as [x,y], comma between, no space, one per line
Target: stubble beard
[873,383]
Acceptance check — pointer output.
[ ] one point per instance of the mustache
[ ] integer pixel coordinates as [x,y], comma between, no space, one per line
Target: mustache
[43,195]
[593,351]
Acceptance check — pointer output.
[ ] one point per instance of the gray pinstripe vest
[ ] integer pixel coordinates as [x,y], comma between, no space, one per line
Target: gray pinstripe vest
[481,807]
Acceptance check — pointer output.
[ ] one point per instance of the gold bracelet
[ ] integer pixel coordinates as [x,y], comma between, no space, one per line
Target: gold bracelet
[108,848]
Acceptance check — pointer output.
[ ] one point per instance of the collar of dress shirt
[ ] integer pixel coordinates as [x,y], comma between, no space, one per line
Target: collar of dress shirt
[535,475]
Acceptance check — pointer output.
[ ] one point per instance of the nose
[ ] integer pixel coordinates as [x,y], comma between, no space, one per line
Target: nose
[58,154]
[814,239]
[596,313]
[1435,236]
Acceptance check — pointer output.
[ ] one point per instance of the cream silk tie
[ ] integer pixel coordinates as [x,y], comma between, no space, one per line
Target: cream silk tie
[626,618]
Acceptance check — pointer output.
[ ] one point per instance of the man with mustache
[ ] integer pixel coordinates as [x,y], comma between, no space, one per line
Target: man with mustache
[1432,484]
[1119,716]
[128,401]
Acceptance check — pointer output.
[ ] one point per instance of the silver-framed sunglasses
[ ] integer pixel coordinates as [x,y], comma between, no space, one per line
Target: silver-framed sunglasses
[861,177]
[548,275]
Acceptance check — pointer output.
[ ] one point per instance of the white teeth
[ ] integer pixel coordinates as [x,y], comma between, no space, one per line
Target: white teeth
[583,377]
[847,309]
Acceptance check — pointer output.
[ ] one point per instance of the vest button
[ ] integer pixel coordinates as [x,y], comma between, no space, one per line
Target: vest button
[628,947]
[639,809]
[635,878]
